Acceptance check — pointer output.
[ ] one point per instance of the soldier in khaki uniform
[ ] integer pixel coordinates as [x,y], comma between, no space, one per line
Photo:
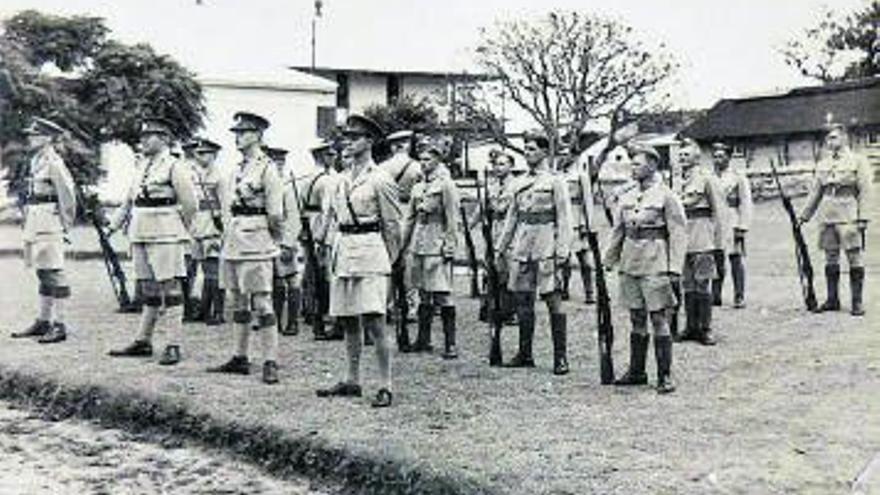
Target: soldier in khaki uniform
[704,206]
[581,193]
[431,230]
[50,212]
[207,228]
[160,206]
[186,154]
[839,197]
[648,240]
[287,274]
[253,215]
[538,232]
[314,191]
[737,194]
[365,213]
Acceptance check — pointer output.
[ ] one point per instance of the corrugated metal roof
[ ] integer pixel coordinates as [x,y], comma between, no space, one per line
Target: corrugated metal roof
[281,78]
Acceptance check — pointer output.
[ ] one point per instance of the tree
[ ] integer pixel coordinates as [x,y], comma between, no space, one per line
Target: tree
[99,90]
[568,69]
[838,48]
[405,112]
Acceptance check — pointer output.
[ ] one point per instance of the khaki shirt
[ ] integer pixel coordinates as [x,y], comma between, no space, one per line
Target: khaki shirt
[166,178]
[431,224]
[406,172]
[704,206]
[254,184]
[538,224]
[841,191]
[208,185]
[500,196]
[314,191]
[371,196]
[50,179]
[649,236]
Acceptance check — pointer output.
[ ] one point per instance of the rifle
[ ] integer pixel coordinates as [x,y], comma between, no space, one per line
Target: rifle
[802,254]
[317,282]
[493,279]
[95,215]
[471,252]
[604,326]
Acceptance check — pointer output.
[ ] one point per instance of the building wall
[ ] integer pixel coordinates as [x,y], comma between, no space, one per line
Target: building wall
[365,90]
[435,89]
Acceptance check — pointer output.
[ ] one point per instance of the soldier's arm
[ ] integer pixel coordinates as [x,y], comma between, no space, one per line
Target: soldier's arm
[746,205]
[813,200]
[510,223]
[719,209]
[451,206]
[292,223]
[387,194]
[676,226]
[185,190]
[588,205]
[615,239]
[564,225]
[409,217]
[66,191]
[122,214]
[866,189]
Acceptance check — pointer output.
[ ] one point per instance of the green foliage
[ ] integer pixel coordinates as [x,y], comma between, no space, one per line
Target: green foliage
[65,41]
[404,113]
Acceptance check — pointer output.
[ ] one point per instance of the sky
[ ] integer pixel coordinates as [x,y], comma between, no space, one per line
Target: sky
[725,48]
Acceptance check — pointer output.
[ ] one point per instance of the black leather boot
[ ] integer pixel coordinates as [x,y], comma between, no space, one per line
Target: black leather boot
[279,297]
[566,278]
[559,333]
[294,301]
[691,313]
[663,354]
[237,365]
[718,283]
[587,278]
[638,350]
[738,272]
[704,303]
[58,333]
[523,358]
[205,310]
[218,306]
[832,281]
[856,287]
[423,339]
[37,329]
[270,372]
[447,315]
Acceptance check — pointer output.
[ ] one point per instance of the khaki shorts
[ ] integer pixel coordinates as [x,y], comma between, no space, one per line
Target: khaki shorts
[542,277]
[352,296]
[698,267]
[837,236]
[45,254]
[246,276]
[159,262]
[208,247]
[432,273]
[649,292]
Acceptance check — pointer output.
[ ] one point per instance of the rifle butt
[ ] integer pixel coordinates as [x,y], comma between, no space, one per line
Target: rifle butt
[495,358]
[606,364]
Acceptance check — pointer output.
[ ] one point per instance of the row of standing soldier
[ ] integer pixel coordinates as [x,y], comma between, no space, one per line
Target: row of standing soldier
[369,221]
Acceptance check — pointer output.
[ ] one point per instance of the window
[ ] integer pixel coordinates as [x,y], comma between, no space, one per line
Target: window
[342,90]
[392,88]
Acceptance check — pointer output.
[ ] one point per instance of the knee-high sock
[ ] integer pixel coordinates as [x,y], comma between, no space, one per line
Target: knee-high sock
[242,333]
[352,349]
[149,315]
[269,341]
[58,306]
[383,349]
[172,320]
[46,303]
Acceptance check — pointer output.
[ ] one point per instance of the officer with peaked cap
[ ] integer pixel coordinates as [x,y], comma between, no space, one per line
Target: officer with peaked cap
[365,212]
[648,241]
[49,214]
[160,206]
[253,215]
[431,232]
[840,197]
[737,193]
[287,274]
[538,232]
[207,228]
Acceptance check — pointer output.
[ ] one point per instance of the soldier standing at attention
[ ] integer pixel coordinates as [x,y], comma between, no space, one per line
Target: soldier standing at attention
[314,191]
[207,228]
[160,204]
[287,277]
[50,212]
[581,193]
[840,196]
[703,204]
[648,240]
[365,212]
[253,215]
[538,233]
[190,311]
[737,193]
[431,230]
[500,184]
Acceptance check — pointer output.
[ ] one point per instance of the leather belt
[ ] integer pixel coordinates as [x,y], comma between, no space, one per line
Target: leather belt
[37,199]
[312,208]
[733,202]
[154,202]
[208,205]
[699,213]
[361,228]
[247,211]
[426,217]
[640,233]
[538,217]
[843,190]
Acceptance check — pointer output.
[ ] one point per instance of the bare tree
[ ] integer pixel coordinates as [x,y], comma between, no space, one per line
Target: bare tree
[567,69]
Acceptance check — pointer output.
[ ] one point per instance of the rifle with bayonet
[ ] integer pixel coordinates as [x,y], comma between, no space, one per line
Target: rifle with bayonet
[492,277]
[471,252]
[802,254]
[317,282]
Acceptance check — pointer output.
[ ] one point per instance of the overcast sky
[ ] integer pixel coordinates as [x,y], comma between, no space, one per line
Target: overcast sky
[726,48]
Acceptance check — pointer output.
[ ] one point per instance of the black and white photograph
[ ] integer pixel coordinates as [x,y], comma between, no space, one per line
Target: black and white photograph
[425,247]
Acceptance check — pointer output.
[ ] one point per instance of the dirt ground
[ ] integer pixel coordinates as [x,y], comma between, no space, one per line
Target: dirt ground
[43,458]
[788,402]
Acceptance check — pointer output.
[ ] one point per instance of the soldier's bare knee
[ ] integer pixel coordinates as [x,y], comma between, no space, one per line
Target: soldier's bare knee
[639,320]
[832,257]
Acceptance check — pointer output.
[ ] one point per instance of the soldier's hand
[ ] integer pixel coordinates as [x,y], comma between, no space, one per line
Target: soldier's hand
[286,254]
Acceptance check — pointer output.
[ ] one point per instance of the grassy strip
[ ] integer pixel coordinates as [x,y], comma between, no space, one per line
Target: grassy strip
[273,449]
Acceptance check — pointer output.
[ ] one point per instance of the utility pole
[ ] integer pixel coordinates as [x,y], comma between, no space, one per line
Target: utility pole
[318,5]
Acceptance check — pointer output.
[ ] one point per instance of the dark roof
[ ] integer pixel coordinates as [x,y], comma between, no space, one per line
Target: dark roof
[414,73]
[802,110]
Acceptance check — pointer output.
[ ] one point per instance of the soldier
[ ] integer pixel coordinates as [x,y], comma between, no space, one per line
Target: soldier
[703,205]
[841,195]
[365,212]
[50,212]
[431,230]
[207,229]
[581,193]
[160,205]
[737,192]
[253,217]
[538,233]
[649,239]
[287,276]
[186,153]
[314,191]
